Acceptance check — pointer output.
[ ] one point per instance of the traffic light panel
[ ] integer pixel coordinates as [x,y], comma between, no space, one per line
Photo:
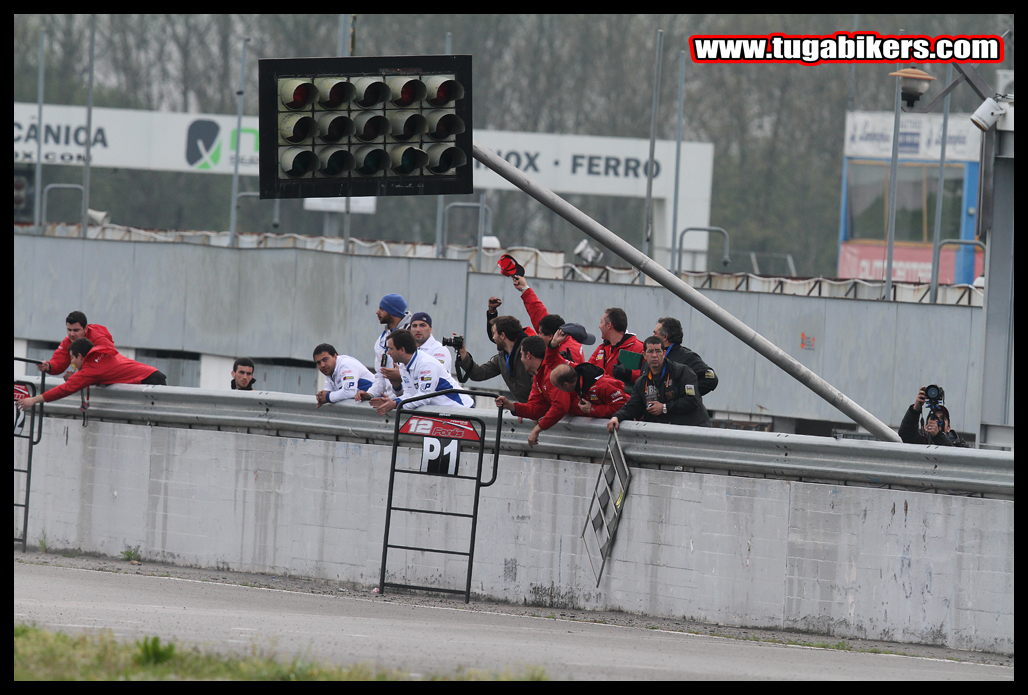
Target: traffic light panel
[365,126]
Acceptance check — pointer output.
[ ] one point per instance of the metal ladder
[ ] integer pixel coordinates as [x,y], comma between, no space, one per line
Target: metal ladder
[440,460]
[607,505]
[26,389]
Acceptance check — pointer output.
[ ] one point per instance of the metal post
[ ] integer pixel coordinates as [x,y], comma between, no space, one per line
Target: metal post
[89,128]
[345,47]
[934,294]
[892,194]
[648,226]
[678,157]
[718,315]
[440,201]
[239,131]
[38,205]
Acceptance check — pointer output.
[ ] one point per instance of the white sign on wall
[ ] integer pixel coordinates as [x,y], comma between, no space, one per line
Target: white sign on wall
[869,134]
[204,143]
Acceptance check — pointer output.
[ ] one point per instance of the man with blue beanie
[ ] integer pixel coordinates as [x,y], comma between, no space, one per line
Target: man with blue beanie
[392,314]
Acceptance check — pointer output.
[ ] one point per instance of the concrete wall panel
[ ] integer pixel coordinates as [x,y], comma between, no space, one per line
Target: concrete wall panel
[838,560]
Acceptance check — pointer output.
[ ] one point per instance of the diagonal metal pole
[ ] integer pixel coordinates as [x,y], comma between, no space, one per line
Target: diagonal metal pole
[715,313]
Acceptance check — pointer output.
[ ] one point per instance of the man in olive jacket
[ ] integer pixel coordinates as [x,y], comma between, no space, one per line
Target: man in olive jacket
[668,392]
[507,334]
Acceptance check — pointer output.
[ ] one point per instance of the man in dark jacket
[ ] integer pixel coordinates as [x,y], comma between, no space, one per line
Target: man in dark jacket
[507,333]
[668,392]
[671,335]
[242,374]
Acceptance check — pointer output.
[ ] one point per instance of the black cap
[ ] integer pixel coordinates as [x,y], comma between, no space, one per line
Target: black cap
[578,332]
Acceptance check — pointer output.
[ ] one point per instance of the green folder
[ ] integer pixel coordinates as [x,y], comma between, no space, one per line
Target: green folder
[631,360]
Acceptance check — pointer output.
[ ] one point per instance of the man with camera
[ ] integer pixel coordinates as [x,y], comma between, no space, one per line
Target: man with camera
[934,429]
[508,334]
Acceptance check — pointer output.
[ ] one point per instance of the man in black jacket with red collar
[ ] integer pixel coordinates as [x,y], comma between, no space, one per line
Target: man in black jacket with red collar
[667,392]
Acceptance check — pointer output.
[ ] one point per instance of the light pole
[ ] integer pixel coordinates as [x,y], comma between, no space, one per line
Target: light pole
[911,83]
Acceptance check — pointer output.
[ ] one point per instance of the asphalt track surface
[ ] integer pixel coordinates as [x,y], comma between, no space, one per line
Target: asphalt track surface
[426,637]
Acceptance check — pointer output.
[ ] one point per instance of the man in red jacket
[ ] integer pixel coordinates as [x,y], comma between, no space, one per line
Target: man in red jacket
[613,330]
[77,327]
[546,324]
[547,404]
[593,393]
[97,365]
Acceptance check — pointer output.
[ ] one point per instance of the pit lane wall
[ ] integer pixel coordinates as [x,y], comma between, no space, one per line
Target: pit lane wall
[835,559]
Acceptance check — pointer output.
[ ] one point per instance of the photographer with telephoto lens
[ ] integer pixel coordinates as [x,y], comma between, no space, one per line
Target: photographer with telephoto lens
[933,429]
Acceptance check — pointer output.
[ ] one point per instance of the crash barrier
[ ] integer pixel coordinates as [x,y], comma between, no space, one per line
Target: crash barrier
[731,452]
[736,528]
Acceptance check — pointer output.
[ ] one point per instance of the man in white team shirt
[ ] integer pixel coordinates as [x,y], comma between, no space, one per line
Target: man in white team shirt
[391,313]
[421,329]
[344,376]
[421,374]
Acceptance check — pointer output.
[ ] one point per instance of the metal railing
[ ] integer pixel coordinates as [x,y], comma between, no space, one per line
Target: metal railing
[32,386]
[670,447]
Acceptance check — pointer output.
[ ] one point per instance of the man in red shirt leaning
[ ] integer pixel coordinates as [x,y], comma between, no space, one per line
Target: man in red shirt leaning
[593,393]
[547,404]
[97,365]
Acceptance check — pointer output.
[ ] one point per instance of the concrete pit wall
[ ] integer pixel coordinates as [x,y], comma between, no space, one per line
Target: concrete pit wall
[846,561]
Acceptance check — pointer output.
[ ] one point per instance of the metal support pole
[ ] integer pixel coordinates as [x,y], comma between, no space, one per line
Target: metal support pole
[38,204]
[678,160]
[740,330]
[934,294]
[892,195]
[239,133]
[648,225]
[89,129]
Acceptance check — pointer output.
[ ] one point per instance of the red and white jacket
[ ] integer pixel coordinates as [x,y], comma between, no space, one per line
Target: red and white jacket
[98,335]
[101,367]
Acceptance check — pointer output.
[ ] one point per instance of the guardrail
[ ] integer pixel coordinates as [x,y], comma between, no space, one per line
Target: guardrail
[733,452]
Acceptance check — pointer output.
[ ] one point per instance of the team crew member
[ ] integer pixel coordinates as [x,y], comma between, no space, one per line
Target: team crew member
[77,327]
[613,330]
[242,375]
[421,329]
[669,330]
[593,393]
[546,324]
[547,404]
[420,375]
[392,313]
[667,393]
[97,365]
[344,376]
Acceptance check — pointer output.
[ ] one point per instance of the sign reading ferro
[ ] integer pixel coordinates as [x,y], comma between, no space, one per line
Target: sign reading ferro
[365,126]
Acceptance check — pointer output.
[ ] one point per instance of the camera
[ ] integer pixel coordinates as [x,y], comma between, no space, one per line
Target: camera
[935,397]
[456,342]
